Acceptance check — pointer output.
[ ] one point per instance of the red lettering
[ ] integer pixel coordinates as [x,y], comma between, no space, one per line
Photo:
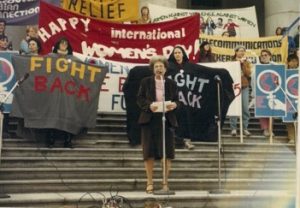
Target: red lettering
[121,83]
[103,84]
[68,90]
[69,87]
[84,93]
[40,83]
[56,84]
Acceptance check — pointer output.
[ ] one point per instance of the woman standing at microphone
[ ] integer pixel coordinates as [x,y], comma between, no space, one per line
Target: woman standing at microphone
[239,55]
[153,89]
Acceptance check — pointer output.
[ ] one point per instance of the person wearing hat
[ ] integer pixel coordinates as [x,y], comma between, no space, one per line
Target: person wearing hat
[239,55]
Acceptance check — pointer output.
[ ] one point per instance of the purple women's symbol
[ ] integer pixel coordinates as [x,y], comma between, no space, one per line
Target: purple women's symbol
[292,86]
[268,81]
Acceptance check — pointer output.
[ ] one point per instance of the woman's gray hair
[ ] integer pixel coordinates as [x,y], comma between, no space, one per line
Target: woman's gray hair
[158,58]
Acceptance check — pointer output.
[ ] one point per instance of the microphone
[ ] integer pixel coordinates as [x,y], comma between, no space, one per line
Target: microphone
[217,78]
[22,79]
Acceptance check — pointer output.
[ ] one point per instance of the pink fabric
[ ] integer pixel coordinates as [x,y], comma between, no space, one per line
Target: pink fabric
[264,123]
[159,90]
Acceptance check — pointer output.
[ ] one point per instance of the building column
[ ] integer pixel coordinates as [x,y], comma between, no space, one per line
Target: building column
[280,13]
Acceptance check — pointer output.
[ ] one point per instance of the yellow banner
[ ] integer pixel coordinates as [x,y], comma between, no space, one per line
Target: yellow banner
[109,10]
[223,47]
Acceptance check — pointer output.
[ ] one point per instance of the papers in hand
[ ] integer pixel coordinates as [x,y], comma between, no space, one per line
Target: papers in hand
[159,106]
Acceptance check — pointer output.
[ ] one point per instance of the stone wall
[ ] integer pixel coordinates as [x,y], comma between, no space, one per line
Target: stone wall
[166,3]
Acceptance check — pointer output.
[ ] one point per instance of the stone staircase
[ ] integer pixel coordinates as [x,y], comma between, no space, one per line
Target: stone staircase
[257,173]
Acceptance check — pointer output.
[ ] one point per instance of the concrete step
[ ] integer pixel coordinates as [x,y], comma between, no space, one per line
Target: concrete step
[102,143]
[109,128]
[137,153]
[137,199]
[226,137]
[111,121]
[139,173]
[92,185]
[98,137]
[255,130]
[45,161]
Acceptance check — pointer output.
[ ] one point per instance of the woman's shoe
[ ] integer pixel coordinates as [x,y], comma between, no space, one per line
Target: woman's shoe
[188,144]
[149,189]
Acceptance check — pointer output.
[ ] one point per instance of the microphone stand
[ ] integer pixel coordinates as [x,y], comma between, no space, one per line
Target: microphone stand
[16,85]
[218,118]
[164,169]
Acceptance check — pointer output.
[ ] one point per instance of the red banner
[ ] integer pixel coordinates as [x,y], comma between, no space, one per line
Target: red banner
[118,42]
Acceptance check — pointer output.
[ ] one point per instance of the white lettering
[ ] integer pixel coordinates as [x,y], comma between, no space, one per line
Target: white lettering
[73,22]
[54,28]
[86,23]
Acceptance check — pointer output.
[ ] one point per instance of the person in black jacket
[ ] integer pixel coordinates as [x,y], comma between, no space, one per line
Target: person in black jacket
[152,89]
[177,61]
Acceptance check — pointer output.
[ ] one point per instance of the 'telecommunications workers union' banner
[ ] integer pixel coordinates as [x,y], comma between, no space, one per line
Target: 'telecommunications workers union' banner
[223,47]
[117,42]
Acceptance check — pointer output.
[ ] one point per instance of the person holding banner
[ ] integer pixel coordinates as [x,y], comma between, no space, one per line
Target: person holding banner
[31,32]
[292,63]
[239,55]
[61,48]
[265,58]
[177,61]
[5,44]
[278,31]
[34,46]
[205,53]
[154,89]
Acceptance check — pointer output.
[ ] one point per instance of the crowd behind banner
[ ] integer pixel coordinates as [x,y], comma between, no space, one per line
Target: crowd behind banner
[112,49]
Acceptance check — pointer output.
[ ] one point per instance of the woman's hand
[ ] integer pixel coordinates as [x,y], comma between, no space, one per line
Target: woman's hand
[171,106]
[153,107]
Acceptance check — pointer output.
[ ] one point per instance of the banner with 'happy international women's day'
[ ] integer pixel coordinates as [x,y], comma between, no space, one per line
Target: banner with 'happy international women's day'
[239,22]
[117,42]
